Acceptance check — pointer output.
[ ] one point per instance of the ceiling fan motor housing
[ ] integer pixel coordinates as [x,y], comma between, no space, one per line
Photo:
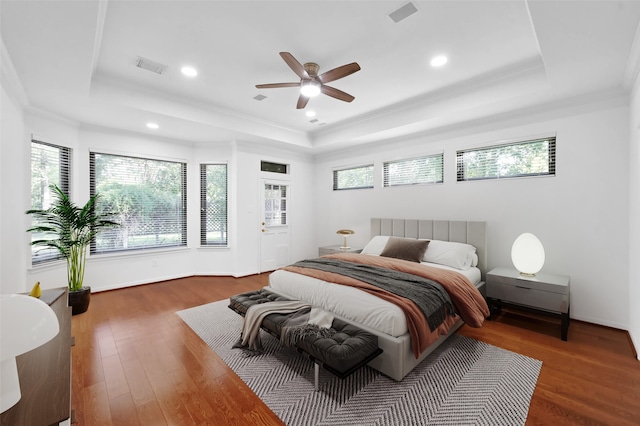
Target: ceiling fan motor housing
[312,69]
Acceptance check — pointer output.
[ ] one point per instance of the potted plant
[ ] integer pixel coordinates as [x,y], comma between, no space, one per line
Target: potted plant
[71,229]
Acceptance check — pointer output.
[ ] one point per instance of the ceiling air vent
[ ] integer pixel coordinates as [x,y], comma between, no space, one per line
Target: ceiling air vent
[315,120]
[149,65]
[259,97]
[403,12]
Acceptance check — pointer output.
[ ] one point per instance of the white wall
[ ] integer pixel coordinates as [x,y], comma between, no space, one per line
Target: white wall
[13,202]
[580,215]
[634,218]
[120,270]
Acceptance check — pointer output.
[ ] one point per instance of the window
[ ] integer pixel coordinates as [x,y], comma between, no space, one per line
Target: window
[275,204]
[148,198]
[267,166]
[413,171]
[521,159]
[353,178]
[50,165]
[213,205]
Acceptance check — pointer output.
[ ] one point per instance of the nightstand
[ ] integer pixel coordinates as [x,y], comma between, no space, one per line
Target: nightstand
[545,293]
[336,249]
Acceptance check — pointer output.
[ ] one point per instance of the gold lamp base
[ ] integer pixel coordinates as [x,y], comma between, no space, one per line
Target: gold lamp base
[345,233]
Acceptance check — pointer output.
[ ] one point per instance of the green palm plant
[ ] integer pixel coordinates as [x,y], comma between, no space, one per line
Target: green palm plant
[72,228]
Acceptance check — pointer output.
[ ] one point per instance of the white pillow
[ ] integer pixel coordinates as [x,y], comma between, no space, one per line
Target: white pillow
[456,255]
[376,245]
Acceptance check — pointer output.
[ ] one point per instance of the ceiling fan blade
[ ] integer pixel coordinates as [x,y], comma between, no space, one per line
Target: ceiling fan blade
[276,85]
[294,65]
[302,102]
[339,72]
[335,93]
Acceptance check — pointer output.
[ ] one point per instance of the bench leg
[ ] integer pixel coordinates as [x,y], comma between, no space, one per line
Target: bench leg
[317,375]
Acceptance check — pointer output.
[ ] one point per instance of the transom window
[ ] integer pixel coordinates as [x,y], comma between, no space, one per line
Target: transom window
[50,165]
[428,169]
[521,159]
[213,205]
[147,197]
[353,178]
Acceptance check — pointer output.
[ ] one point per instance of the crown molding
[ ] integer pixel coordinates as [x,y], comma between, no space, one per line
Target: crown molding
[10,80]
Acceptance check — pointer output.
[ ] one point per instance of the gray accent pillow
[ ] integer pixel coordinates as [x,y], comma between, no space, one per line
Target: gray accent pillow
[405,248]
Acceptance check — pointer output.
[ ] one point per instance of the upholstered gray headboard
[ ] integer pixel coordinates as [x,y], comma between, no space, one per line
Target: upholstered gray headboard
[459,231]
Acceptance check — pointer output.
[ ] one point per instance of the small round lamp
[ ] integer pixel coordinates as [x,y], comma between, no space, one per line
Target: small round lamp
[527,254]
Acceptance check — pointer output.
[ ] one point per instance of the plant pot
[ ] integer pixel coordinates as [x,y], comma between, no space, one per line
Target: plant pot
[79,300]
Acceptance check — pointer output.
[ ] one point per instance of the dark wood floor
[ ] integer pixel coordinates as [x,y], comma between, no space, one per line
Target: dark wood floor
[136,363]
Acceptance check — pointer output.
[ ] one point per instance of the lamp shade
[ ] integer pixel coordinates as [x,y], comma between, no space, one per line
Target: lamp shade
[527,254]
[26,323]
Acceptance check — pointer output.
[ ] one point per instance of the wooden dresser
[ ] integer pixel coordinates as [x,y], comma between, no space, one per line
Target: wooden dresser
[45,373]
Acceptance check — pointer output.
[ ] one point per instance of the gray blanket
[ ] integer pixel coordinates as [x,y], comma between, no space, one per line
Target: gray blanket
[428,295]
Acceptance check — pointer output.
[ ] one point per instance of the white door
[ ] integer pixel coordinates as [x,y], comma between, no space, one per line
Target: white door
[274,235]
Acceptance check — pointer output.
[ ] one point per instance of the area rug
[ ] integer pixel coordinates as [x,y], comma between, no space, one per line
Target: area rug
[463,382]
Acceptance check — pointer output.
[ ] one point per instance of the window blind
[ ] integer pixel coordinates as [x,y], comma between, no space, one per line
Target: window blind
[50,165]
[353,178]
[147,197]
[428,169]
[521,159]
[213,205]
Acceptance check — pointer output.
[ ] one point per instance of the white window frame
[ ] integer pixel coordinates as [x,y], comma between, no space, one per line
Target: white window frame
[336,177]
[486,151]
[204,201]
[41,255]
[389,174]
[182,215]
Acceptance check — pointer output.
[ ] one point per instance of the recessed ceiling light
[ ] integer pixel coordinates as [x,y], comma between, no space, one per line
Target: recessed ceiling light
[311,113]
[189,71]
[438,61]
[153,126]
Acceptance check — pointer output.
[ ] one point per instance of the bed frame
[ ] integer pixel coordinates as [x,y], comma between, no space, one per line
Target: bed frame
[397,359]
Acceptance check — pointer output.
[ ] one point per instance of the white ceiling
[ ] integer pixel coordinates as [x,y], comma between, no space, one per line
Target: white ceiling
[77,59]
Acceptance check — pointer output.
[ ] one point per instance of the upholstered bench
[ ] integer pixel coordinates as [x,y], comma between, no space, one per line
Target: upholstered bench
[348,348]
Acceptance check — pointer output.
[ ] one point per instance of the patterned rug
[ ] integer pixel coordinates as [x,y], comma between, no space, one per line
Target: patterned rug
[463,382]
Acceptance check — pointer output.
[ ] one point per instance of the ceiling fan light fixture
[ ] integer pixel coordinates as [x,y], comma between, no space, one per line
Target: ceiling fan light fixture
[310,88]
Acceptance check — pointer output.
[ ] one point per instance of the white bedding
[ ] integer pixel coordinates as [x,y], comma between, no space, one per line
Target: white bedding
[349,302]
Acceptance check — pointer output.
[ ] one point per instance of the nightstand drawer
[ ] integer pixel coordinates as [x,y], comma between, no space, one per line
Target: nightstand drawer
[527,296]
[540,282]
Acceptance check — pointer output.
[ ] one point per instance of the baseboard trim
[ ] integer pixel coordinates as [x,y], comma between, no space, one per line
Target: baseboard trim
[634,344]
[137,283]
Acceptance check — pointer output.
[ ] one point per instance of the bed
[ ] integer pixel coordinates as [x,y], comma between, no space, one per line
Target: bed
[386,320]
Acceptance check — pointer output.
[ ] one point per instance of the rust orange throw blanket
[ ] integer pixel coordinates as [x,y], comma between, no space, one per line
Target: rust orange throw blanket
[468,301]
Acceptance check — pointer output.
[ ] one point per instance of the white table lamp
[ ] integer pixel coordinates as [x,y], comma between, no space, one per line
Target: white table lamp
[527,254]
[26,323]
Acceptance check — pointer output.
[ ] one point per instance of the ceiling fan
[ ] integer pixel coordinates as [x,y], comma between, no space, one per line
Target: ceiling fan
[312,84]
